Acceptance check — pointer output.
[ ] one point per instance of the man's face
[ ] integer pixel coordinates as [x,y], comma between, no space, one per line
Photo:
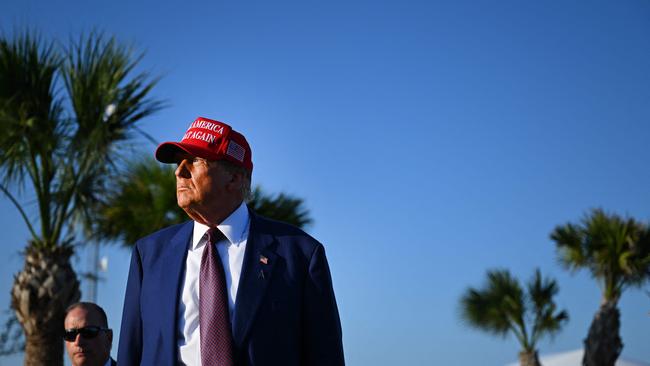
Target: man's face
[203,188]
[83,351]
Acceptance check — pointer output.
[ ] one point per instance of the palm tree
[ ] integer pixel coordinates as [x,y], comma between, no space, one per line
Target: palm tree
[31,142]
[502,307]
[616,251]
[144,200]
[65,159]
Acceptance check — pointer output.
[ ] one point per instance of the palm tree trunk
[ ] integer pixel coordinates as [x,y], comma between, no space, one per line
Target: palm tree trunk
[40,350]
[528,358]
[42,291]
[603,344]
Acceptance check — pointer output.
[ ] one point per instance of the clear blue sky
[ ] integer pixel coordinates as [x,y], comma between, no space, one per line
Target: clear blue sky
[431,140]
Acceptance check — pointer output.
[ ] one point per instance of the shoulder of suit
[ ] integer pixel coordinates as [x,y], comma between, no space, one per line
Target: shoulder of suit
[284,233]
[276,228]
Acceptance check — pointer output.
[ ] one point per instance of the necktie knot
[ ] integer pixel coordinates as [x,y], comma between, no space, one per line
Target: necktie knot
[215,235]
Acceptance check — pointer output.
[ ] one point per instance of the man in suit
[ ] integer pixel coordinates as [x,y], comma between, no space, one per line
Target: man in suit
[228,287]
[88,339]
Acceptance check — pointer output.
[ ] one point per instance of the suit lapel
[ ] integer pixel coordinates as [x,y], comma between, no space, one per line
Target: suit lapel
[257,269]
[172,273]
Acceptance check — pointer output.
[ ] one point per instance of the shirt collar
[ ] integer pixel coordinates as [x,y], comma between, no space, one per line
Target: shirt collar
[234,228]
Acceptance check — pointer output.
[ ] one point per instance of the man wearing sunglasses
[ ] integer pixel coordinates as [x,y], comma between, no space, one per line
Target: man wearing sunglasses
[87,336]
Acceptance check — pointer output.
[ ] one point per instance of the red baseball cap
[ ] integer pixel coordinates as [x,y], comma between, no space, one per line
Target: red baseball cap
[210,140]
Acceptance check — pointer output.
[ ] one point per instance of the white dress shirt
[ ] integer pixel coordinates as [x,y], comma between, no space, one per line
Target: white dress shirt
[231,251]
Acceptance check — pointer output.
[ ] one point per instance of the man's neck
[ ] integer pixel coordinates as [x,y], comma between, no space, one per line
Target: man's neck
[214,218]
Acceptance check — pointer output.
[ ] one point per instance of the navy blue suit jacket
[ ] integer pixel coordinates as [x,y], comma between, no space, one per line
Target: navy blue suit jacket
[285,311]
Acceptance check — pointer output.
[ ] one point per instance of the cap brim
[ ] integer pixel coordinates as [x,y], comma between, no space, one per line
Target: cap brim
[168,152]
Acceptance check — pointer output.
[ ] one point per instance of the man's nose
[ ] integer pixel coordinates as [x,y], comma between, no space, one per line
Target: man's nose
[77,339]
[183,169]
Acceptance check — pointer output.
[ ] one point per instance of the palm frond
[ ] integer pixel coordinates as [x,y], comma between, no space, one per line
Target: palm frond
[31,137]
[142,201]
[497,307]
[29,110]
[569,239]
[107,101]
[281,207]
[541,292]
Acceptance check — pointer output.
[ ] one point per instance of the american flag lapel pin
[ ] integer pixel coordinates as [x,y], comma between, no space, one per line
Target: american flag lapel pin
[264,260]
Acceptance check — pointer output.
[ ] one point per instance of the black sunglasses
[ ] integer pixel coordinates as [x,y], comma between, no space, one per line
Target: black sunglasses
[88,332]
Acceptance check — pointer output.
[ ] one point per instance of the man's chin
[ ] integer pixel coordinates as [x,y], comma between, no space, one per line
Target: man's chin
[80,359]
[183,201]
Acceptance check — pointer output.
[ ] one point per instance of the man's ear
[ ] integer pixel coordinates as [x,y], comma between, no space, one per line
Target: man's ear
[109,334]
[236,180]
